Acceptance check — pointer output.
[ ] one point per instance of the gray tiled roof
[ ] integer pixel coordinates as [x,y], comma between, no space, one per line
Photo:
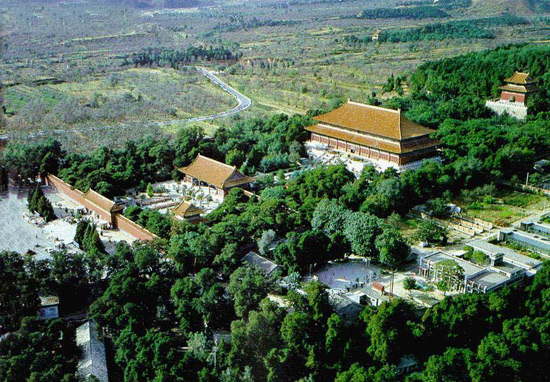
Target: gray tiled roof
[265,265]
[93,360]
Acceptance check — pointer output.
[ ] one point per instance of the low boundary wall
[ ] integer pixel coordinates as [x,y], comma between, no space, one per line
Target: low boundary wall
[132,228]
[117,219]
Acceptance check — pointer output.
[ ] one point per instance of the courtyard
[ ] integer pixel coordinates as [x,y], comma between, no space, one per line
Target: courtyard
[17,234]
[22,232]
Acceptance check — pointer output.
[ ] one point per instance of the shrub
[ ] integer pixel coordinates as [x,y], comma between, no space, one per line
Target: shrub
[409,283]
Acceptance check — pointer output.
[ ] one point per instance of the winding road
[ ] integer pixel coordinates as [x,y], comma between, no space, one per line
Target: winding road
[243,104]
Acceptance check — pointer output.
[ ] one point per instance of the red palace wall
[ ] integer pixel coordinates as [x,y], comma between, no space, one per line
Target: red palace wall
[128,226]
[116,219]
[373,153]
[356,149]
[79,197]
[69,191]
[520,98]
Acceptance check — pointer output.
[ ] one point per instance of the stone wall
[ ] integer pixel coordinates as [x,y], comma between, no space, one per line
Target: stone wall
[514,110]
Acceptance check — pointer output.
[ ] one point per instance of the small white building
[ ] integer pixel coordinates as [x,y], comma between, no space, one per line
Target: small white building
[49,307]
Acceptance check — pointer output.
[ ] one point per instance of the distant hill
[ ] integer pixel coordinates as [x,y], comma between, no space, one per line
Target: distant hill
[158,3]
[539,5]
[515,7]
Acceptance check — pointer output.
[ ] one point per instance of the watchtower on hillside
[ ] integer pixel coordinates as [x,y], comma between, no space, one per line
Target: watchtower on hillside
[514,95]
[518,88]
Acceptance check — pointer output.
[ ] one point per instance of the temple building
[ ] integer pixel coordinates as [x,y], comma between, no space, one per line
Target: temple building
[218,177]
[376,133]
[515,93]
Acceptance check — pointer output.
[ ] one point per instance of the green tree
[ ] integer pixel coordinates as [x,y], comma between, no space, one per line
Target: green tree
[409,283]
[253,337]
[329,216]
[248,286]
[450,273]
[392,248]
[361,231]
[18,292]
[150,192]
[266,239]
[453,366]
[431,232]
[390,331]
[30,353]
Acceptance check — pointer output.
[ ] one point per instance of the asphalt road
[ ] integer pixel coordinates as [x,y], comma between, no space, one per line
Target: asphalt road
[243,104]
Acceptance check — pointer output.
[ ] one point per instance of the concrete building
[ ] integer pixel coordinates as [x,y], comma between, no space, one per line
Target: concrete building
[93,360]
[367,296]
[508,255]
[537,228]
[535,243]
[345,307]
[475,278]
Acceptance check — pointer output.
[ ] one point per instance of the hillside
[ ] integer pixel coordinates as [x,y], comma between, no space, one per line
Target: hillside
[497,7]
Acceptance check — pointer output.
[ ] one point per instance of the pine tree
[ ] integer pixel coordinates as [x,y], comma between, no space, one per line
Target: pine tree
[80,232]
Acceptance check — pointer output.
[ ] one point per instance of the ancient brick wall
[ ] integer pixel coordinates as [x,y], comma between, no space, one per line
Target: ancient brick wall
[117,219]
[132,228]
[76,195]
[519,98]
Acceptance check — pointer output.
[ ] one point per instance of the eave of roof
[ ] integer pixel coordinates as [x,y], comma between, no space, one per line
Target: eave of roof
[215,173]
[520,78]
[373,120]
[519,88]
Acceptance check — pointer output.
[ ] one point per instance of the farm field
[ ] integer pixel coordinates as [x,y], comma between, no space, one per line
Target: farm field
[503,208]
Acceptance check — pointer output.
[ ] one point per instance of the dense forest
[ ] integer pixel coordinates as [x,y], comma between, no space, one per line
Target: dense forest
[264,145]
[494,337]
[422,12]
[471,29]
[438,32]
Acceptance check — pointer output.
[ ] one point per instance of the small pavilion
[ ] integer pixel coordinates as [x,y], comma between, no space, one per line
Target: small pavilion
[186,210]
